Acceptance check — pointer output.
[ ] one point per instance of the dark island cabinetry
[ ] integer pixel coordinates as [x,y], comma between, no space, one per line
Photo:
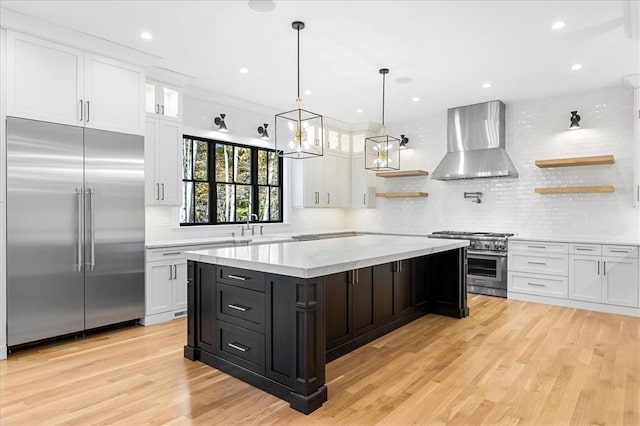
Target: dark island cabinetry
[277,332]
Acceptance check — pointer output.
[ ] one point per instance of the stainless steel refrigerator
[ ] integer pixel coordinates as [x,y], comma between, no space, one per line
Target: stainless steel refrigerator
[75,229]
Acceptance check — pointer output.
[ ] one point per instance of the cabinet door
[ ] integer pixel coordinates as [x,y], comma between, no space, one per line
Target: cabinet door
[331,195]
[362,185]
[179,286]
[168,162]
[44,80]
[151,104]
[620,281]
[403,282]
[362,301]
[343,182]
[115,92]
[585,278]
[384,305]
[171,102]
[313,182]
[159,287]
[338,316]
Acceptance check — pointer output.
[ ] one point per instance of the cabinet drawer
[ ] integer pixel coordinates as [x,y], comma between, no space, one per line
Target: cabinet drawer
[552,264]
[538,247]
[242,307]
[241,346]
[585,249]
[252,280]
[166,254]
[539,285]
[620,251]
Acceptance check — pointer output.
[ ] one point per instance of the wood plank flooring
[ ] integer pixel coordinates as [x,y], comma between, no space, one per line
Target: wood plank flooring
[510,362]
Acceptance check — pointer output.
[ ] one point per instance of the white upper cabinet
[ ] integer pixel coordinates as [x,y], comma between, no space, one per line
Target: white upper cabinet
[321,181]
[44,80]
[163,156]
[163,100]
[363,184]
[50,82]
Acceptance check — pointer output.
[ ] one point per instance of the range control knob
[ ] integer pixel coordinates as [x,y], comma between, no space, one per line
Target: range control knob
[487,246]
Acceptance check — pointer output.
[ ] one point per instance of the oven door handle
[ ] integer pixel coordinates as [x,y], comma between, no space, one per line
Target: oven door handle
[484,253]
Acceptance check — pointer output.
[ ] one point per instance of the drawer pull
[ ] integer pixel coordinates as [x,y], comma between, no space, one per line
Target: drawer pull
[171,253]
[584,249]
[537,285]
[238,347]
[541,247]
[238,307]
[236,277]
[620,251]
[537,263]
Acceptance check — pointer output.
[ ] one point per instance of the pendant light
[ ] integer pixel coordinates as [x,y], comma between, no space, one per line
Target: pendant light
[299,133]
[382,152]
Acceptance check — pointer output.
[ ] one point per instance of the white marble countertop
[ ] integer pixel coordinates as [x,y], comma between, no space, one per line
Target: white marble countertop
[308,259]
[579,240]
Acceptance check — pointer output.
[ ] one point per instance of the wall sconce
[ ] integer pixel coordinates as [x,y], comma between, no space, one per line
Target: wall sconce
[575,120]
[403,142]
[263,132]
[219,121]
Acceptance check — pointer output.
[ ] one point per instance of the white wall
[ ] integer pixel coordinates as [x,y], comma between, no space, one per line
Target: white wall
[242,119]
[535,130]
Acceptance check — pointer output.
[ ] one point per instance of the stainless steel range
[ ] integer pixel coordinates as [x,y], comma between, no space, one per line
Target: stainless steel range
[487,260]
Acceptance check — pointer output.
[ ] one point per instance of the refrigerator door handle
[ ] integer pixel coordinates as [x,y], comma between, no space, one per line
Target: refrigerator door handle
[92,229]
[79,195]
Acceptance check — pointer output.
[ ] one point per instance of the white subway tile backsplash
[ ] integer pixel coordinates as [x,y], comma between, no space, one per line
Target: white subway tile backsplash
[536,129]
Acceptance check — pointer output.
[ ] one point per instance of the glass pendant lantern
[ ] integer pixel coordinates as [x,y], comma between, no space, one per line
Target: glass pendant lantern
[382,152]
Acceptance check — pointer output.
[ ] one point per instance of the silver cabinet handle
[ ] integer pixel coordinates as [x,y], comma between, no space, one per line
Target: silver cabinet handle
[399,265]
[238,307]
[236,277]
[92,228]
[157,108]
[88,111]
[157,191]
[584,249]
[79,194]
[364,199]
[328,198]
[238,347]
[537,263]
[162,185]
[604,267]
[357,276]
[479,281]
[620,251]
[170,272]
[537,285]
[175,272]
[81,110]
[171,253]
[162,109]
[541,247]
[598,267]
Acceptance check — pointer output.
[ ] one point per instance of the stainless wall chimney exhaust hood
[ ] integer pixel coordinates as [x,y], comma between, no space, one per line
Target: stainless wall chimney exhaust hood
[475,144]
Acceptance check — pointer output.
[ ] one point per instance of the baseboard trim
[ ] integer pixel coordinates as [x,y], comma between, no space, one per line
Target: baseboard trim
[3,352]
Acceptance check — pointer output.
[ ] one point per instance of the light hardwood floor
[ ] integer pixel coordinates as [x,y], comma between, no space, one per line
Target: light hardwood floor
[508,363]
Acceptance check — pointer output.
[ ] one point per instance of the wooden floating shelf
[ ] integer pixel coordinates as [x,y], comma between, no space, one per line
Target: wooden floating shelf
[402,173]
[575,189]
[402,194]
[576,161]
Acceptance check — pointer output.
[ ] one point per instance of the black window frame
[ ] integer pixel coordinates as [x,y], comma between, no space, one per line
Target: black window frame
[212,182]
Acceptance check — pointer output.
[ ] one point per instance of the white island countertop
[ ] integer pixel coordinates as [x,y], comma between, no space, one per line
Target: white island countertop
[309,259]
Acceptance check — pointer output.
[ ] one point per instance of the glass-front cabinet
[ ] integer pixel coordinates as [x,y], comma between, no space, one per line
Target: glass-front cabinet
[163,100]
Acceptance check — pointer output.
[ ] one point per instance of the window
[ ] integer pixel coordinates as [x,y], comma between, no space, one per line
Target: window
[223,182]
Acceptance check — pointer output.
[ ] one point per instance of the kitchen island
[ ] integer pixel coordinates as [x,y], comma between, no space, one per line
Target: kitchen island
[272,315]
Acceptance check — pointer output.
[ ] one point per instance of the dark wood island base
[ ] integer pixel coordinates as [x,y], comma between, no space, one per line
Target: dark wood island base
[277,332]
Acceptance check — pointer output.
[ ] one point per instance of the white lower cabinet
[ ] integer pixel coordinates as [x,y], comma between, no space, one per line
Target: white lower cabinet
[166,289]
[598,277]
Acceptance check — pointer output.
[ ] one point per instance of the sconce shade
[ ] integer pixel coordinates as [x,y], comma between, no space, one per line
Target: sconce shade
[219,121]
[403,142]
[575,120]
[262,130]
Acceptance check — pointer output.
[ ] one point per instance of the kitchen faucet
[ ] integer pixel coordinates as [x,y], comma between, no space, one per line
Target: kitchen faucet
[249,227]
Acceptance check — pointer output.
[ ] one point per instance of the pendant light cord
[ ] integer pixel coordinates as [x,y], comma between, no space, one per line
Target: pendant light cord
[383,80]
[298,30]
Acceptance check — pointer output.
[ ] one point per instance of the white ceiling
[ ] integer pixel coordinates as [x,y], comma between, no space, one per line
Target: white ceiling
[446,49]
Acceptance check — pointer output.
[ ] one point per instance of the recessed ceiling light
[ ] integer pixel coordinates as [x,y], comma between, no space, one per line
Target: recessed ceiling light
[145,35]
[487,85]
[308,92]
[576,67]
[244,70]
[415,99]
[359,111]
[558,25]
[262,5]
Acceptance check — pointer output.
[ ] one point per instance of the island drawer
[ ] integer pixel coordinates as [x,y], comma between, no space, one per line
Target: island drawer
[241,347]
[242,307]
[253,280]
[535,284]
